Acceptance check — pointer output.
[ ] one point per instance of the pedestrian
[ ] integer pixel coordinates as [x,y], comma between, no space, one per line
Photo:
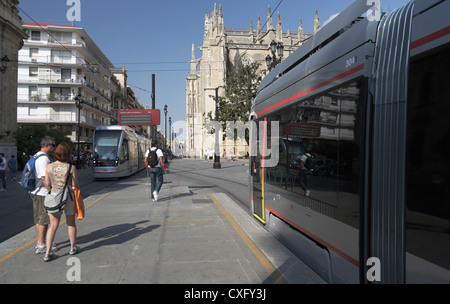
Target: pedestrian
[155,170]
[56,174]
[41,219]
[3,171]
[211,155]
[304,173]
[12,164]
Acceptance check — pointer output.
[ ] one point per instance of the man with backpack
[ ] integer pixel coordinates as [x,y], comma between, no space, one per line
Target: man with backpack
[37,195]
[154,162]
[305,170]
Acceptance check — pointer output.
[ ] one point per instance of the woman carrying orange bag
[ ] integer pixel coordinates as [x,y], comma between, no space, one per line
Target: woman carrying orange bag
[79,203]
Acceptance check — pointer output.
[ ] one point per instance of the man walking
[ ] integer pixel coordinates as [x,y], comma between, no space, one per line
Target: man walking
[154,162]
[41,218]
[12,164]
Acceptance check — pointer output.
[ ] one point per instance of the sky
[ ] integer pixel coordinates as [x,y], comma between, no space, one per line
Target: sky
[156,37]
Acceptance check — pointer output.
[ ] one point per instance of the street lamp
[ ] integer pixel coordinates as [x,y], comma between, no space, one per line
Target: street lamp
[170,134]
[78,103]
[4,64]
[165,125]
[276,49]
[217,148]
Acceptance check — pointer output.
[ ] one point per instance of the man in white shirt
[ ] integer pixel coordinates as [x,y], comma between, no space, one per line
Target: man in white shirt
[41,219]
[156,171]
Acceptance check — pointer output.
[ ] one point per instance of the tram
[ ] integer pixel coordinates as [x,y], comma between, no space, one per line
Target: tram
[369,100]
[117,152]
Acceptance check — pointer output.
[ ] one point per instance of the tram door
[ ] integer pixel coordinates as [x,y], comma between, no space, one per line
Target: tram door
[257,173]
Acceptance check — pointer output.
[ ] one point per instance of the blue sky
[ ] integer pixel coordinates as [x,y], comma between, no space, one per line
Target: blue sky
[150,36]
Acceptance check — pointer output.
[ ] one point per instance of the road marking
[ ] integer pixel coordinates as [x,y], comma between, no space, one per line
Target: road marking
[194,220]
[12,253]
[264,261]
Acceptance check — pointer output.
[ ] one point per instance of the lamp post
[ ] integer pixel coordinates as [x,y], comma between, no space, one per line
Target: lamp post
[78,102]
[216,132]
[165,127]
[170,134]
[4,64]
[276,49]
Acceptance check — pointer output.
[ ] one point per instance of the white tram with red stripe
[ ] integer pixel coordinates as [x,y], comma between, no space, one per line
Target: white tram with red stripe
[370,101]
[118,151]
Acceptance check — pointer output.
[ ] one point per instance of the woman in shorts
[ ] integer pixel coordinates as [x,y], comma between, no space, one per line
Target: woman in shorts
[55,179]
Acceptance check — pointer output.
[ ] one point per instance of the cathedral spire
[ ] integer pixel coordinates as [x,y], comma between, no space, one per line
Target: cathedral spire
[269,20]
[258,27]
[316,22]
[194,63]
[221,23]
[300,30]
[279,29]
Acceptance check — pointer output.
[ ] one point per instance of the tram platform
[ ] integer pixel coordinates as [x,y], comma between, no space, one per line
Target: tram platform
[186,237]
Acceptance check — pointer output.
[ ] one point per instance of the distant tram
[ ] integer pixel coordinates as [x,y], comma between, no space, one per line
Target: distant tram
[118,152]
[370,101]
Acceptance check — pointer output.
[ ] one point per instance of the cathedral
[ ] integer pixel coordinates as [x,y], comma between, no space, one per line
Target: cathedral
[221,48]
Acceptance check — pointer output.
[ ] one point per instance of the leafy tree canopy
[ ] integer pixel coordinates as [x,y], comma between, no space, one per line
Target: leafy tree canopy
[241,86]
[29,138]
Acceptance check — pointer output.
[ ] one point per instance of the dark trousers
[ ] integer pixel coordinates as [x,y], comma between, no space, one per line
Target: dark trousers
[3,178]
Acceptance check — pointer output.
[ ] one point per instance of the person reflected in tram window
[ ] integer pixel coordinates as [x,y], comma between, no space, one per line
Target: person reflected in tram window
[305,172]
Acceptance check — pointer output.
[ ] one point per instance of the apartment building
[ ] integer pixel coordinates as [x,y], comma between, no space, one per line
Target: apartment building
[11,40]
[59,66]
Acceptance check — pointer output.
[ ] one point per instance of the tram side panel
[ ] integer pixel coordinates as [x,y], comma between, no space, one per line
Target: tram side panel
[427,231]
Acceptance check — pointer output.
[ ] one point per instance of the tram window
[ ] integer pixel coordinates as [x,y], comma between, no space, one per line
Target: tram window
[124,155]
[329,128]
[427,159]
[105,144]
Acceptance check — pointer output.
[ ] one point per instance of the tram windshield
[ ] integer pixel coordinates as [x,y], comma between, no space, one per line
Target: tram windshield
[106,144]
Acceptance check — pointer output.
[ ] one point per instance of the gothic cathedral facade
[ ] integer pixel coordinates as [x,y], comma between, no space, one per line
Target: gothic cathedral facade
[221,48]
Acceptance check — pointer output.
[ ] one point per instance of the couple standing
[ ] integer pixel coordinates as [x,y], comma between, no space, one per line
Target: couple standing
[155,165]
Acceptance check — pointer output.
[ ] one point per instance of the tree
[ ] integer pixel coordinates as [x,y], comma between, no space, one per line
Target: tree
[241,85]
[28,138]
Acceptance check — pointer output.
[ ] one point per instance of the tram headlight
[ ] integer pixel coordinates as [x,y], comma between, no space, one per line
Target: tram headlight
[116,162]
[94,162]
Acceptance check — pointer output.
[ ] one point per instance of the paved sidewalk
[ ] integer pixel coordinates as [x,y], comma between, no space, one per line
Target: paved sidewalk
[183,238]
[16,205]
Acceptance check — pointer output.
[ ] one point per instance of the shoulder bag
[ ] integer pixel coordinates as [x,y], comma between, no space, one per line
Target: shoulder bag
[56,202]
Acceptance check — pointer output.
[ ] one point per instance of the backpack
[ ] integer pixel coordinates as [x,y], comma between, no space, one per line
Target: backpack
[152,159]
[309,162]
[29,180]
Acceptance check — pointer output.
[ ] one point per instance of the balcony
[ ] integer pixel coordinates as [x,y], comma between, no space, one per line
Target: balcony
[50,79]
[45,98]
[71,118]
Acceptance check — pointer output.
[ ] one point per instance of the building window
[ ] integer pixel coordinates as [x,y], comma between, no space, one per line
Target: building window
[66,75]
[35,36]
[58,56]
[34,52]
[61,94]
[33,72]
[32,91]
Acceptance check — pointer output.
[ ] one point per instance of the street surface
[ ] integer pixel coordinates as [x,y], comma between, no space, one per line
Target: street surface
[198,232]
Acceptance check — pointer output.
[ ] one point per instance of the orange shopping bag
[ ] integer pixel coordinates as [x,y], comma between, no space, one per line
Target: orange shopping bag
[79,203]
